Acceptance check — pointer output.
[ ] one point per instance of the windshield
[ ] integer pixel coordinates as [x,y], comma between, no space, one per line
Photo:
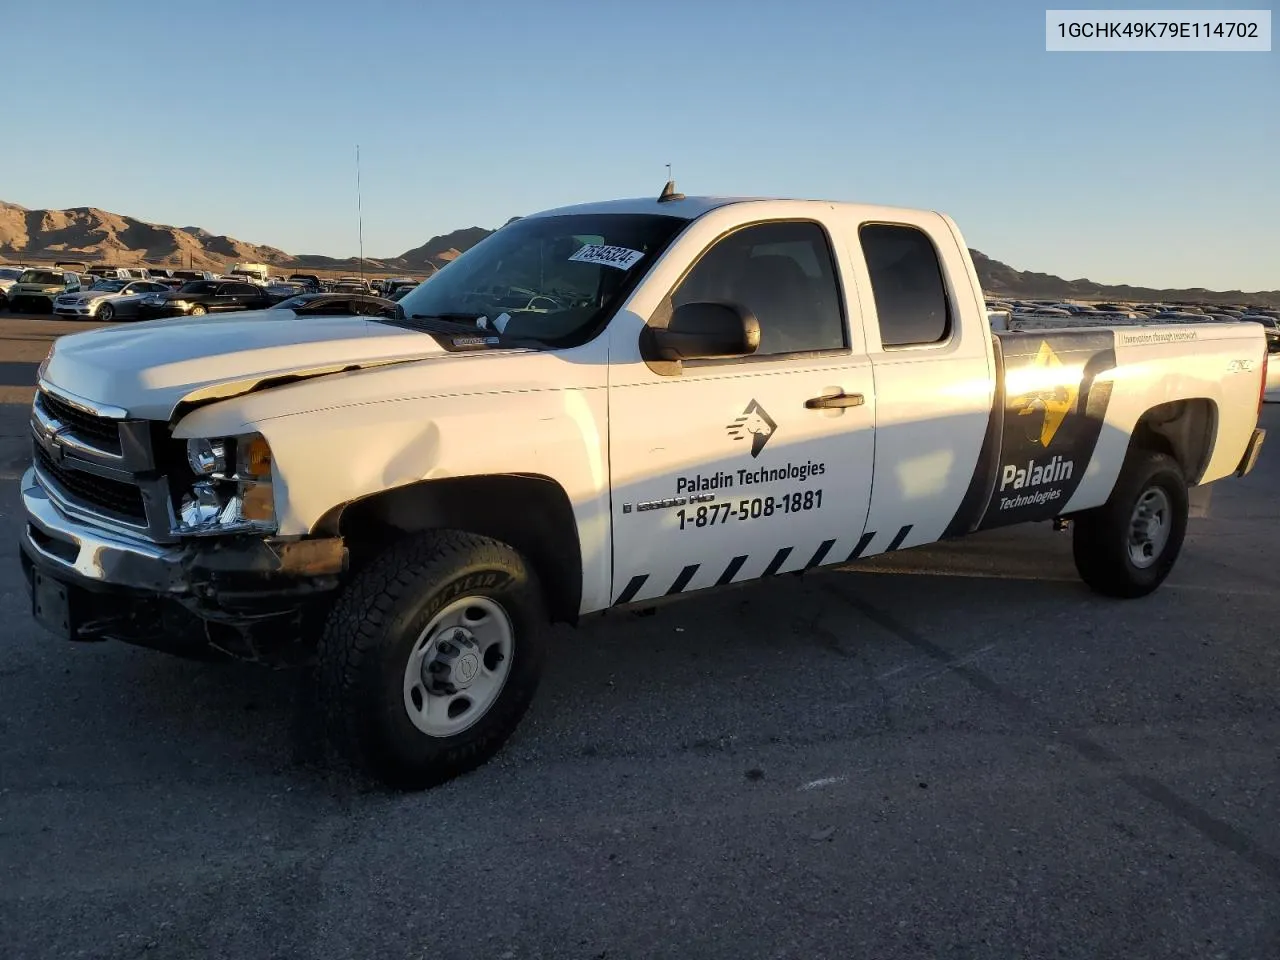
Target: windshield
[199,286]
[40,276]
[111,286]
[8,273]
[555,278]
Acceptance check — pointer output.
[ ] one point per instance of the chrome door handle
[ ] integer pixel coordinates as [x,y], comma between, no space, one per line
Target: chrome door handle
[835,401]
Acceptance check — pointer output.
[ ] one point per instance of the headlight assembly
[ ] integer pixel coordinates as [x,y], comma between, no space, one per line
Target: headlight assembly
[232,492]
[207,457]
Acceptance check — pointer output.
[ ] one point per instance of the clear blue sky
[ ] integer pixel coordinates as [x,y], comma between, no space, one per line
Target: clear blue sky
[242,117]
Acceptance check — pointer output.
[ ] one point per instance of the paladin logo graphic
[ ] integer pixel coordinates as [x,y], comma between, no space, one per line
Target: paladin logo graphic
[755,423]
[1054,390]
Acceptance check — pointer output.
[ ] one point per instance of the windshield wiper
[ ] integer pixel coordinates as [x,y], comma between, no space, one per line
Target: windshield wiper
[449,325]
[446,316]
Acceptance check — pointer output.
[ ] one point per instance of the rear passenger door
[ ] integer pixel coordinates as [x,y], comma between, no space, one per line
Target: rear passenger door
[727,470]
[930,351]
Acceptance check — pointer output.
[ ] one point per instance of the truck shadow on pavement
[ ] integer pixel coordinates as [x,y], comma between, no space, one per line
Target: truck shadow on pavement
[793,660]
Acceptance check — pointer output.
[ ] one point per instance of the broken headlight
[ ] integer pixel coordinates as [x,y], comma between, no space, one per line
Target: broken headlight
[232,492]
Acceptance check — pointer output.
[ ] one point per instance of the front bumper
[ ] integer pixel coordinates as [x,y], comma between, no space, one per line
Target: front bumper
[243,596]
[73,310]
[31,301]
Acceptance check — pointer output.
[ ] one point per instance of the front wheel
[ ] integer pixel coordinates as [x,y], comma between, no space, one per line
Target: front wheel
[431,656]
[1128,546]
[106,313]
[199,310]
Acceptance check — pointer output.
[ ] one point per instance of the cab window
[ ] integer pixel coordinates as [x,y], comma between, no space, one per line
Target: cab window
[906,281]
[783,272]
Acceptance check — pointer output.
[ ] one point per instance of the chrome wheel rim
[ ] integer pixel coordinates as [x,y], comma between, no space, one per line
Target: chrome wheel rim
[1149,527]
[458,667]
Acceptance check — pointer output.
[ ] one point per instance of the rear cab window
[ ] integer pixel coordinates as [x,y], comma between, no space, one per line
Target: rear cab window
[907,282]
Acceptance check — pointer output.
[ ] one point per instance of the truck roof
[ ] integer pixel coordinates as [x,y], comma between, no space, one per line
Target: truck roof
[690,208]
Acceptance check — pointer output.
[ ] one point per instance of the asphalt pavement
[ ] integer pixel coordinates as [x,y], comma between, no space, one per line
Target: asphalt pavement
[953,752]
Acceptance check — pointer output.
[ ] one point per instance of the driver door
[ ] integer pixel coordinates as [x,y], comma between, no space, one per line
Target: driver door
[727,470]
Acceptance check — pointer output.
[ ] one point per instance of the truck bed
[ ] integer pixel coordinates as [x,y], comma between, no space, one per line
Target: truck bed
[1070,395]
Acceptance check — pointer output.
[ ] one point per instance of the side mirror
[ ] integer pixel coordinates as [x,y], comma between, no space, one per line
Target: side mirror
[704,330]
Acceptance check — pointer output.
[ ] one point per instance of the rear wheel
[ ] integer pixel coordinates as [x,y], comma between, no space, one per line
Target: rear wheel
[431,656]
[1128,546]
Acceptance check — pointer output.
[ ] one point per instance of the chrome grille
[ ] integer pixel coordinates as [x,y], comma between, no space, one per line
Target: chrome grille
[113,496]
[100,432]
[100,466]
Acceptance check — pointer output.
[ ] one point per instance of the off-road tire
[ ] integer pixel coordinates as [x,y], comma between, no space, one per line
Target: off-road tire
[372,630]
[1101,536]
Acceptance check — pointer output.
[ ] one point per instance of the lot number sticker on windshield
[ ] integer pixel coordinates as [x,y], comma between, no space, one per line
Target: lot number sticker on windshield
[623,258]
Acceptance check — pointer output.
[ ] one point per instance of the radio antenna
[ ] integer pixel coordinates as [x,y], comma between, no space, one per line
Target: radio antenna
[359,216]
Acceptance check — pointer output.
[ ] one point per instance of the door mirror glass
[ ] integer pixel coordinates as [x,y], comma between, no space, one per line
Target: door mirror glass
[704,330]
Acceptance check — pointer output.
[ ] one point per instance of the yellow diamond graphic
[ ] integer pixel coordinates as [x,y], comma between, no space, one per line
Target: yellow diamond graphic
[1056,399]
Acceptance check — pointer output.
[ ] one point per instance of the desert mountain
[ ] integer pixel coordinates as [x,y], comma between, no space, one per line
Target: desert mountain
[86,233]
[90,234]
[1001,280]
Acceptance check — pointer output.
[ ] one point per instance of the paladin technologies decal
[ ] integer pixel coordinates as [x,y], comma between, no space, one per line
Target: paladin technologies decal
[754,423]
[1053,417]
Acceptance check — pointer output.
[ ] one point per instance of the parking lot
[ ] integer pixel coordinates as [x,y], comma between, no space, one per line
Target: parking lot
[950,752]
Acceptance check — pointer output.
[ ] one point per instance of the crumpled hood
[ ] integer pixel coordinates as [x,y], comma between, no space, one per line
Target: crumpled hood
[148,368]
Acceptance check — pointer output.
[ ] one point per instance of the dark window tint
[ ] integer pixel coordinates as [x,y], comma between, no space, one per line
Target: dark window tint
[906,279]
[781,272]
[199,286]
[245,290]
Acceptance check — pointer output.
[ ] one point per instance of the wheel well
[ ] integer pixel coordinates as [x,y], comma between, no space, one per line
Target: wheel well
[1184,429]
[530,513]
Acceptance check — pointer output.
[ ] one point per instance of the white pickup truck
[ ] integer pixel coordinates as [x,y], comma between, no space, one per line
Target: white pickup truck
[595,407]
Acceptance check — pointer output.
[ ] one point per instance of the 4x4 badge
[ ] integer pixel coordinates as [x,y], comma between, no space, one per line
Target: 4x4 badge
[756,423]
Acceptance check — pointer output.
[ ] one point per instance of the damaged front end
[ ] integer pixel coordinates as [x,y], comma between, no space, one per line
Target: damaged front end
[134,536]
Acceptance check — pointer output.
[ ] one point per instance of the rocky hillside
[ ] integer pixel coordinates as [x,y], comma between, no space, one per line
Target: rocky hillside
[87,233]
[90,234]
[1001,280]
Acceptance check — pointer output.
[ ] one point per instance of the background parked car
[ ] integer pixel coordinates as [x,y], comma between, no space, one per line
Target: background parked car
[35,289]
[394,285]
[308,281]
[107,300]
[199,297]
[8,277]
